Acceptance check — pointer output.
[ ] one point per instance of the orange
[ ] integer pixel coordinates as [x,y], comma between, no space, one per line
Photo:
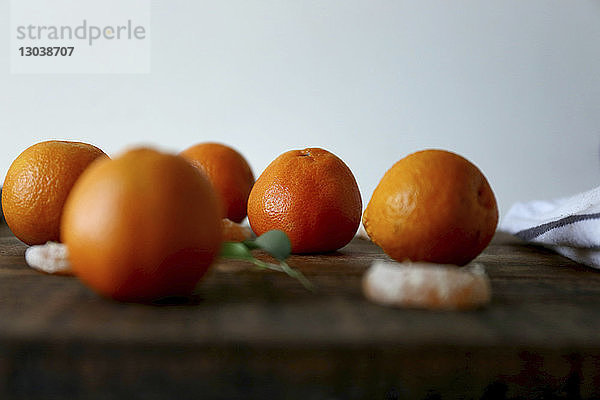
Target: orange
[433,206]
[309,194]
[143,226]
[228,172]
[37,185]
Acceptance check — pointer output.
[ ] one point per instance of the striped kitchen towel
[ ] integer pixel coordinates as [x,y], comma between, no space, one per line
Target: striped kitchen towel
[570,226]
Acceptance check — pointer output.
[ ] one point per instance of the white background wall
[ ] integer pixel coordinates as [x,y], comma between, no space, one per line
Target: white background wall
[512,85]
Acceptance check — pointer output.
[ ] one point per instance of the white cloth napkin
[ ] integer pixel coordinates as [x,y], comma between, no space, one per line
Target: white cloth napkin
[570,226]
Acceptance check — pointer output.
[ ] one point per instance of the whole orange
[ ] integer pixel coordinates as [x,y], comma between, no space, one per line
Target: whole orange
[143,226]
[433,206]
[309,194]
[228,172]
[37,185]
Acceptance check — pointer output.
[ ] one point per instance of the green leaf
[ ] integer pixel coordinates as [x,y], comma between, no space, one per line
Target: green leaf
[273,242]
[250,244]
[236,250]
[276,243]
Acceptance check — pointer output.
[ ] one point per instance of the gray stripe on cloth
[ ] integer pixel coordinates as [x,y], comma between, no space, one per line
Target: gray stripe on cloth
[532,233]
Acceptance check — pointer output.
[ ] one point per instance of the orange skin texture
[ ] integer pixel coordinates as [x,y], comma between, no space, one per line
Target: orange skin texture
[228,172]
[433,206]
[312,196]
[142,227]
[37,185]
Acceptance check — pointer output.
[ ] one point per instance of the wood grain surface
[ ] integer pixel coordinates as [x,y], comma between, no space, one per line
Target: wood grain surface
[256,334]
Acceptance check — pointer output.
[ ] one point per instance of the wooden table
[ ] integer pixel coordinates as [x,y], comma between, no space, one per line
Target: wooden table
[254,334]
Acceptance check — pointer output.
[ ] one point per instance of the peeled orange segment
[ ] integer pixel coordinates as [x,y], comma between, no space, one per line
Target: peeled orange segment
[51,258]
[426,285]
[234,232]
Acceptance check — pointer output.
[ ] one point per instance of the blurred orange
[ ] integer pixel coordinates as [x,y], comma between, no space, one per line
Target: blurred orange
[143,226]
[309,194]
[37,185]
[229,173]
[434,206]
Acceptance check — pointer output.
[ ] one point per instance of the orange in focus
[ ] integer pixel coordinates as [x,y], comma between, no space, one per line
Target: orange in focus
[37,185]
[312,196]
[433,206]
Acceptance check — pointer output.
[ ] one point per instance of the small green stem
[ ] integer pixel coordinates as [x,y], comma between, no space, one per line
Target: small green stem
[264,265]
[277,244]
[285,268]
[294,273]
